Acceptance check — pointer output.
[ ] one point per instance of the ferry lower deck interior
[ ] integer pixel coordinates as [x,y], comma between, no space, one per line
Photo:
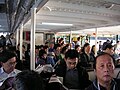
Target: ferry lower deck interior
[42,22]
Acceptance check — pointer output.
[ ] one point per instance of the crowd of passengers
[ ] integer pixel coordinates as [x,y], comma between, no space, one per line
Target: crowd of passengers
[70,61]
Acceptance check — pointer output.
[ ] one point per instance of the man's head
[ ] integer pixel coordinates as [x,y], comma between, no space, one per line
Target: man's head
[78,38]
[28,80]
[86,47]
[51,45]
[109,49]
[12,35]
[8,61]
[104,68]
[78,48]
[43,54]
[71,58]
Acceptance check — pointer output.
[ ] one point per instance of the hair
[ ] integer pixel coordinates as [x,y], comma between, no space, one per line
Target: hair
[108,46]
[42,52]
[28,80]
[6,55]
[41,46]
[37,47]
[11,34]
[102,54]
[71,53]
[63,49]
[92,49]
[118,41]
[56,46]
[45,47]
[78,38]
[85,45]
[76,46]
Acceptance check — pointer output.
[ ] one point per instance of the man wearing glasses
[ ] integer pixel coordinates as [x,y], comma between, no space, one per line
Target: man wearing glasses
[8,63]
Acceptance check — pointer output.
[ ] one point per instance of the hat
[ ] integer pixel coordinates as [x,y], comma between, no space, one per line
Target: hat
[6,55]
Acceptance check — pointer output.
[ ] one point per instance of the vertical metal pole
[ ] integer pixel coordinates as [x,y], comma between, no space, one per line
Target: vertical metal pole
[96,32]
[55,38]
[117,38]
[17,37]
[70,39]
[32,42]
[70,36]
[21,41]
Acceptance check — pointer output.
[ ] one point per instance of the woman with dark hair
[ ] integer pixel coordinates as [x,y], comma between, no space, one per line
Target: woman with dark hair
[92,53]
[42,58]
[85,56]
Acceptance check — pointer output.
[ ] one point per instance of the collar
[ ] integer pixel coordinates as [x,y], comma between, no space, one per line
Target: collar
[98,87]
[71,69]
[14,72]
[2,70]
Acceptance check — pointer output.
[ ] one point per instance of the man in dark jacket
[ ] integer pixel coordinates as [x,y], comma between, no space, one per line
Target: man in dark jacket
[104,69]
[74,76]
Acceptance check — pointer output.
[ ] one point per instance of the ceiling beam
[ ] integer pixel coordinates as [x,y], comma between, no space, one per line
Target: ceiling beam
[82,7]
[113,1]
[77,15]
[67,19]
[39,4]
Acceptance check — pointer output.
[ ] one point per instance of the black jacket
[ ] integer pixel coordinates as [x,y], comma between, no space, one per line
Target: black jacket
[83,75]
[115,85]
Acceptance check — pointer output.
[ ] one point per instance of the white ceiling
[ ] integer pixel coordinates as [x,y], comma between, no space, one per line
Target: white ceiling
[83,14]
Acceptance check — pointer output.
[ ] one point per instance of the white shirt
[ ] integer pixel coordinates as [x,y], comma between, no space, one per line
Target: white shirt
[11,41]
[78,43]
[4,75]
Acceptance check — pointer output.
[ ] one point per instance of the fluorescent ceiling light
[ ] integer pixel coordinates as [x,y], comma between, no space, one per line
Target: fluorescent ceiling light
[56,24]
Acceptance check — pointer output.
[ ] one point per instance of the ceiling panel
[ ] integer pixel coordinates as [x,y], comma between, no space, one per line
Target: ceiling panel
[83,14]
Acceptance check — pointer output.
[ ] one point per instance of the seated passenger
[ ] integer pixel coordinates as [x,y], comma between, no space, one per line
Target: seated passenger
[104,69]
[8,62]
[86,57]
[28,80]
[74,76]
[110,50]
[42,58]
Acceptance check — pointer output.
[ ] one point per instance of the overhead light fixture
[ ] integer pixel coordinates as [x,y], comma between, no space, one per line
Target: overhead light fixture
[56,24]
[109,5]
[48,8]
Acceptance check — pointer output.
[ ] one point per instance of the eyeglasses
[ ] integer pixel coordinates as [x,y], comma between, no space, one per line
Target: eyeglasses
[11,64]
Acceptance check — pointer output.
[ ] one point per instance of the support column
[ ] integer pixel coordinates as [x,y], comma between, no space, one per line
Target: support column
[55,38]
[70,36]
[17,37]
[21,41]
[70,39]
[96,32]
[116,38]
[32,39]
